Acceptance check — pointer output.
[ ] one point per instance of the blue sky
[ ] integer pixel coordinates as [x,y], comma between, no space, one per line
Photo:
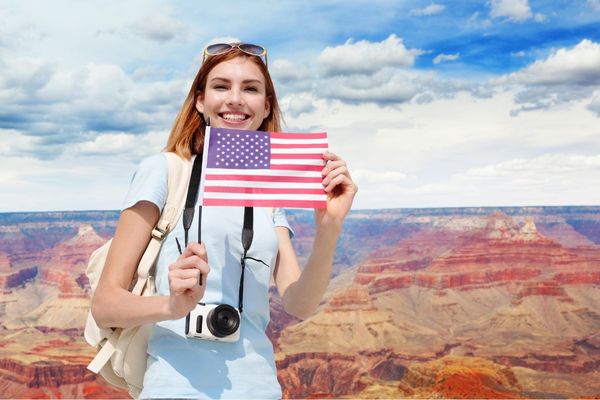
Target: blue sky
[432,103]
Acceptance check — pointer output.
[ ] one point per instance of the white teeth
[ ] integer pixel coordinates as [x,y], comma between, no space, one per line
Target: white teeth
[234,117]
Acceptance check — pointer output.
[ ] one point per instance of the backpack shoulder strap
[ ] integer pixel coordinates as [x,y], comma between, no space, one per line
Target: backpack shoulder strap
[178,179]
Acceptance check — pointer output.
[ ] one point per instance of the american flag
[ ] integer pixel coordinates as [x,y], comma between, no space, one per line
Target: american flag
[263,169]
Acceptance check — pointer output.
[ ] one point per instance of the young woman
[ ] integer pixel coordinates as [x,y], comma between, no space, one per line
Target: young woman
[233,89]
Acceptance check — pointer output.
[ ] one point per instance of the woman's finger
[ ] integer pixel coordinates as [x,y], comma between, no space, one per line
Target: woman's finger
[336,181]
[189,262]
[342,170]
[194,249]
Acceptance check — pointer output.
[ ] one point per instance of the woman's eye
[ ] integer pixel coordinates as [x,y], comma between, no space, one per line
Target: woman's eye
[251,89]
[220,87]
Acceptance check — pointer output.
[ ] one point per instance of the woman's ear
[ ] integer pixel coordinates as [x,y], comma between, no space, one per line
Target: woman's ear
[267,107]
[200,102]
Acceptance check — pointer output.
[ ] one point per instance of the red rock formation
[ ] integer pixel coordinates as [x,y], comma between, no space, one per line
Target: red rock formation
[45,373]
[578,278]
[4,263]
[73,254]
[350,299]
[543,289]
[320,375]
[463,377]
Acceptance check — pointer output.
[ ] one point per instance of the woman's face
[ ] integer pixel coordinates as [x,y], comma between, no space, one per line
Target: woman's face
[235,95]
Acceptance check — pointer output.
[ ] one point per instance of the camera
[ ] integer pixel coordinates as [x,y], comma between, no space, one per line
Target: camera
[219,322]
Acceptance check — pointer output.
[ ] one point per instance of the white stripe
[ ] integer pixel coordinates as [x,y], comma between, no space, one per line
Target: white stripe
[298,161]
[257,196]
[283,161]
[299,141]
[279,185]
[264,172]
[311,150]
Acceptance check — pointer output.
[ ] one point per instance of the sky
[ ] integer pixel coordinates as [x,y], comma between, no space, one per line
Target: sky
[431,103]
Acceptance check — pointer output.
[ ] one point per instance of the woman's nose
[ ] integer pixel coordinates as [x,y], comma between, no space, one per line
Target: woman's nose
[235,97]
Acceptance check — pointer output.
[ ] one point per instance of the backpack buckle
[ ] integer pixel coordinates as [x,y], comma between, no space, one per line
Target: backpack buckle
[159,233]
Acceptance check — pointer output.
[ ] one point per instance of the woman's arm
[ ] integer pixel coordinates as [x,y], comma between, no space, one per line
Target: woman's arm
[113,305]
[301,292]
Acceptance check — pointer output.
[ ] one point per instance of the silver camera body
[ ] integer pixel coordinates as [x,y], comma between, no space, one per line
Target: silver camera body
[220,322]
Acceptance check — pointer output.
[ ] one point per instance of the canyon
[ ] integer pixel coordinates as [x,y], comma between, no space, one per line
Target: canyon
[455,302]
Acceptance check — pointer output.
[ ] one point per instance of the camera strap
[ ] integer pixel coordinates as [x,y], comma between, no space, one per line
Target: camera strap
[247,236]
[188,217]
[192,196]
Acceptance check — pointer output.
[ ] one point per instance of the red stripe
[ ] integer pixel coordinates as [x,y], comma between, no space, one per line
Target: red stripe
[259,178]
[298,156]
[299,146]
[307,136]
[228,189]
[265,203]
[296,167]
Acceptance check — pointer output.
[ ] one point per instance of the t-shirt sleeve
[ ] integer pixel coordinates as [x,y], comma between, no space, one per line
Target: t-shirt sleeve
[149,183]
[280,219]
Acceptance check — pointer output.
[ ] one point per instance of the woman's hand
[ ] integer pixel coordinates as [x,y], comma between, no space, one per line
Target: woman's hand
[340,189]
[187,280]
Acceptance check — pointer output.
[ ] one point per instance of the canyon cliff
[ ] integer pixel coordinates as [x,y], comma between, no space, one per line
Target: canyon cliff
[473,302]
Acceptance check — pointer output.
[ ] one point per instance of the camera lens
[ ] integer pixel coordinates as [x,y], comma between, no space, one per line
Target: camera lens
[223,320]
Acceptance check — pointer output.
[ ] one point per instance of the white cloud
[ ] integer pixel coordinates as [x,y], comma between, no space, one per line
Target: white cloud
[364,57]
[286,71]
[577,65]
[297,103]
[431,9]
[514,10]
[114,144]
[159,27]
[446,57]
[539,170]
[594,105]
[385,86]
[370,177]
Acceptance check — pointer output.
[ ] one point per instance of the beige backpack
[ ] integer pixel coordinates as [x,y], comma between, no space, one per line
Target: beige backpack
[121,357]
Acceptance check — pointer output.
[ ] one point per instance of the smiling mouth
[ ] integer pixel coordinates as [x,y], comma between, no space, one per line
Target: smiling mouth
[234,117]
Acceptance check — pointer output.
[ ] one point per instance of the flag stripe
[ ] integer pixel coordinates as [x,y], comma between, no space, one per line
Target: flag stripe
[295,185]
[266,172]
[299,167]
[299,162]
[265,203]
[295,146]
[289,156]
[260,190]
[300,142]
[305,136]
[263,178]
[258,196]
[297,150]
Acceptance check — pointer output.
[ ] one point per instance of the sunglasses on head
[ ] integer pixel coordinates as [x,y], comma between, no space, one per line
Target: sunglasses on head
[222,48]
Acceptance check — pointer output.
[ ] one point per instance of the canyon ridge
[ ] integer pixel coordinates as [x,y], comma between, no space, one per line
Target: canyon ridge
[447,302]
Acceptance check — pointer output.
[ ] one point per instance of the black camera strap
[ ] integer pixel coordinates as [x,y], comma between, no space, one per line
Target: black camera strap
[247,236]
[192,196]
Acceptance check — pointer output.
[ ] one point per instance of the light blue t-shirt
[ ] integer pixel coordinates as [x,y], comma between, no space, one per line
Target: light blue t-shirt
[180,367]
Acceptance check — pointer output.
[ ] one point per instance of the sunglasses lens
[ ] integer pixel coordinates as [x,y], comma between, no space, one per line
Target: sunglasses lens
[218,48]
[252,49]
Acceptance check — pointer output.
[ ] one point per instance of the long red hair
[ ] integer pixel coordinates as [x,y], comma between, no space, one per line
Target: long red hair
[187,134]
